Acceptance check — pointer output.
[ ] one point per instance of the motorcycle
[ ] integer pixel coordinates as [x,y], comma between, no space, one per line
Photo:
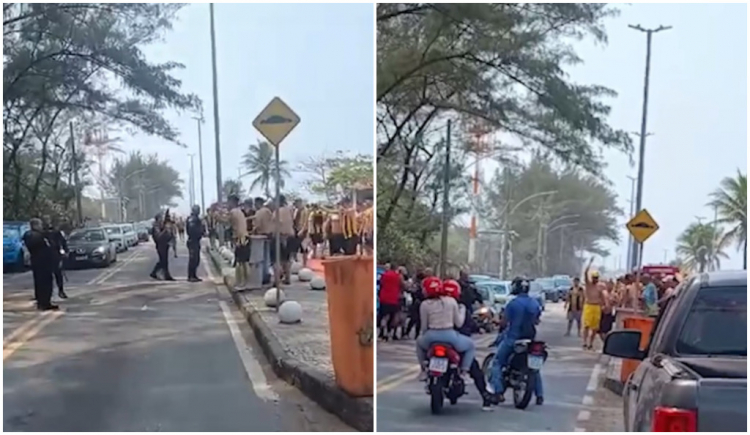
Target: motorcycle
[443,379]
[519,374]
[484,319]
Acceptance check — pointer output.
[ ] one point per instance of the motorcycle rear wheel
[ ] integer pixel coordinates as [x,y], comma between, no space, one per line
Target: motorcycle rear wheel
[521,400]
[487,365]
[436,396]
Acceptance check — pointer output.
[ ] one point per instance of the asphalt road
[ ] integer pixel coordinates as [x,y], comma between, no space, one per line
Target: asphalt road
[570,379]
[126,353]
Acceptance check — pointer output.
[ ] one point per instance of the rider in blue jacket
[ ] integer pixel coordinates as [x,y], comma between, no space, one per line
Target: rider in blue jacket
[521,317]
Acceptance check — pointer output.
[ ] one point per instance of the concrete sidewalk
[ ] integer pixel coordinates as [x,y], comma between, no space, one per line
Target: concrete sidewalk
[299,353]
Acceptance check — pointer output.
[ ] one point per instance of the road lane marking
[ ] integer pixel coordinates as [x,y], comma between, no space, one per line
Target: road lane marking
[210,270]
[397,379]
[594,378]
[252,367]
[24,337]
[109,273]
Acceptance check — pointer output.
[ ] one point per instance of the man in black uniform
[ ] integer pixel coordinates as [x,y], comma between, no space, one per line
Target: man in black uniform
[195,231]
[162,234]
[41,261]
[59,250]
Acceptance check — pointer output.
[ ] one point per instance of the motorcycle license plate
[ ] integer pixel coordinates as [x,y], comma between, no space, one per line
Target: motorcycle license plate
[535,362]
[439,365]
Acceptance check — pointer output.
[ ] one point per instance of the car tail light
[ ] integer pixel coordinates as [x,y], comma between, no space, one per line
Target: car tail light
[439,351]
[674,420]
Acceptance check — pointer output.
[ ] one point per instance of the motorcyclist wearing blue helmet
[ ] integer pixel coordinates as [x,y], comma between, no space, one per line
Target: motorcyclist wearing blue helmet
[521,317]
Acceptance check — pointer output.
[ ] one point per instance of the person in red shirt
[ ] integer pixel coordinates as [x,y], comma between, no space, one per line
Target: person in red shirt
[391,285]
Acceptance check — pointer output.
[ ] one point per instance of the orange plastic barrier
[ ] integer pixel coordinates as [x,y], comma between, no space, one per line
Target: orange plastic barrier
[643,324]
[351,294]
[316,265]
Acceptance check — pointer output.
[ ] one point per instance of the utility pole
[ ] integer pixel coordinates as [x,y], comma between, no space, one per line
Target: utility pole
[79,207]
[631,240]
[200,162]
[637,253]
[446,204]
[216,106]
[191,185]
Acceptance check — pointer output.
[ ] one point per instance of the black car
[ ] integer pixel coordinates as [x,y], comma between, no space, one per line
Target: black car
[90,247]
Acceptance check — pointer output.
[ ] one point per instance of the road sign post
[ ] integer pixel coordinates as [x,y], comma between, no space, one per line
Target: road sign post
[275,122]
[642,227]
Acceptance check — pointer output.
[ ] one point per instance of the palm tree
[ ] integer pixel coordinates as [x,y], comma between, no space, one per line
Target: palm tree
[232,187]
[259,161]
[701,247]
[730,201]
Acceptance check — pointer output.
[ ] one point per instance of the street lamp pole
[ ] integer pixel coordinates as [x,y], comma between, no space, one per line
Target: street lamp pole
[216,106]
[191,186]
[507,229]
[631,240]
[200,161]
[636,253]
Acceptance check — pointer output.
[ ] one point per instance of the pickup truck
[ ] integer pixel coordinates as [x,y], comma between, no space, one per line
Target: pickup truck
[693,373]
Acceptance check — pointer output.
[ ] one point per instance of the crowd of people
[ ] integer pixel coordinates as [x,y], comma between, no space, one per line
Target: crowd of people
[305,231]
[592,306]
[47,247]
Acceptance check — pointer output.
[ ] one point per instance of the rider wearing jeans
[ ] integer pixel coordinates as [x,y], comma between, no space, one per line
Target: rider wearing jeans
[521,314]
[453,288]
[439,315]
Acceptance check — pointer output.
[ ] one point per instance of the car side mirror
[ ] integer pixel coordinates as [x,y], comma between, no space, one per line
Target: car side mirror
[624,344]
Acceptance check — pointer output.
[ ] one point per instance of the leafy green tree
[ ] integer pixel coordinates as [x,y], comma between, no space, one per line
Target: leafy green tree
[730,200]
[145,184]
[333,176]
[499,64]
[259,162]
[701,247]
[232,187]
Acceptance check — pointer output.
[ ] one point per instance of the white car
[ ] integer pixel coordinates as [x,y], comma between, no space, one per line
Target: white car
[129,234]
[114,232]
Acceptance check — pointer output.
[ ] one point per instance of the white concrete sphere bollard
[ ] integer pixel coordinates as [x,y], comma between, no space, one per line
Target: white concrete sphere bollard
[318,283]
[295,267]
[270,297]
[305,275]
[290,312]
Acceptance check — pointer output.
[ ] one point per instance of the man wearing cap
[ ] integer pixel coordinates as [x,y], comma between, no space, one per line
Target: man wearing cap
[592,307]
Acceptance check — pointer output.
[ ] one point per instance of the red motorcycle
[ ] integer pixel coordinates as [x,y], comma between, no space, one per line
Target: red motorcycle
[443,378]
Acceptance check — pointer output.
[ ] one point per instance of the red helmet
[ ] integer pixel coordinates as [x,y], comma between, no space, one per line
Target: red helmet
[432,287]
[452,288]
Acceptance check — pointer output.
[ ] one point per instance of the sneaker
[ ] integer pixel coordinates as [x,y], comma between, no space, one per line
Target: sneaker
[49,307]
[154,276]
[169,278]
[194,279]
[61,294]
[539,400]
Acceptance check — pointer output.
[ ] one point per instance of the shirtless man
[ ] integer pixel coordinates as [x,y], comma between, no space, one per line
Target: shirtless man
[592,307]
[335,234]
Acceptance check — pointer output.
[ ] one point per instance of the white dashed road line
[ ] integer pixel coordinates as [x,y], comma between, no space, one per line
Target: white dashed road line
[588,401]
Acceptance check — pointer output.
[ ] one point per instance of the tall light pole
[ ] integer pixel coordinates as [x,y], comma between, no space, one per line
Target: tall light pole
[506,226]
[199,120]
[446,204]
[631,240]
[636,253]
[191,186]
[216,106]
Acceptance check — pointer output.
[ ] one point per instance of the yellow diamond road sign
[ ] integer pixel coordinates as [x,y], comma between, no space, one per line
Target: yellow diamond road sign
[642,226]
[276,121]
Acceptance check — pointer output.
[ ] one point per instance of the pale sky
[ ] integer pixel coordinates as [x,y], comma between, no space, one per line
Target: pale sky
[697,111]
[318,58]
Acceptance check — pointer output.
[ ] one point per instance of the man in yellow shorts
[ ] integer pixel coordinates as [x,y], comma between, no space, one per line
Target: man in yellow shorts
[592,306]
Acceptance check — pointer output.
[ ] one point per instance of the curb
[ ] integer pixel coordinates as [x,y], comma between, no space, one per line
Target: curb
[357,413]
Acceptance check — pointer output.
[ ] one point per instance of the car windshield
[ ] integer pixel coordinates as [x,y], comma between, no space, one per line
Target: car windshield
[88,236]
[11,233]
[563,282]
[547,284]
[500,289]
[113,230]
[535,288]
[716,323]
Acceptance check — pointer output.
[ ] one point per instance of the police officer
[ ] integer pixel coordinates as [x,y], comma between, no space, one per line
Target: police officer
[195,231]
[59,250]
[41,260]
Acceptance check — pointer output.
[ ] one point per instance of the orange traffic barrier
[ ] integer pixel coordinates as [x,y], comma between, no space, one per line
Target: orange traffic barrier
[350,291]
[316,265]
[641,323]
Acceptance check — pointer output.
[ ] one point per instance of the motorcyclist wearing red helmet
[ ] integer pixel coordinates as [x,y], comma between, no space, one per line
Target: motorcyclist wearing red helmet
[439,316]
[453,289]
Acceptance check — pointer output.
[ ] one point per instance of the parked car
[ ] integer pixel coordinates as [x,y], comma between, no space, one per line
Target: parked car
[549,289]
[143,231]
[129,234]
[563,284]
[496,293]
[114,233]
[90,247]
[693,372]
[15,255]
[536,291]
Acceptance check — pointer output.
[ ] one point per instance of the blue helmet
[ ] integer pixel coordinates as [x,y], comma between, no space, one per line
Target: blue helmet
[519,285]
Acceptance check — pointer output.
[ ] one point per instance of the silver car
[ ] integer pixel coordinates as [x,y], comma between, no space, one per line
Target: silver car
[114,232]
